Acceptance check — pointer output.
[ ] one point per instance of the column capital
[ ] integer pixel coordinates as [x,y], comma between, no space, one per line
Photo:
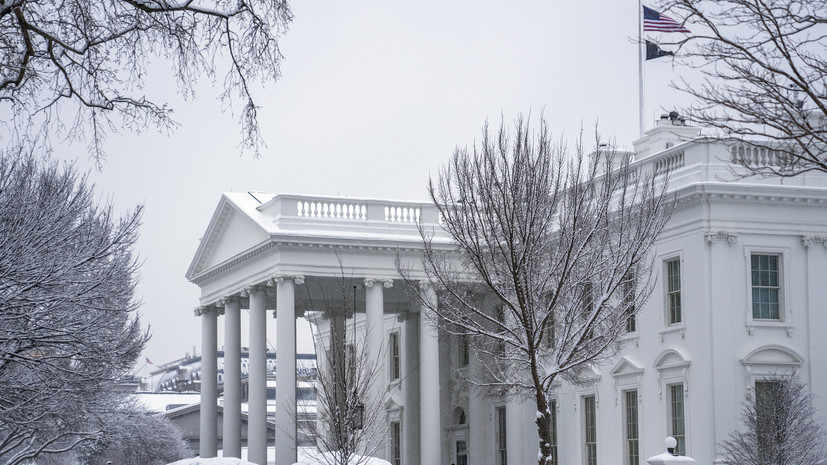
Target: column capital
[204,309]
[808,241]
[386,283]
[253,288]
[712,237]
[280,278]
[222,302]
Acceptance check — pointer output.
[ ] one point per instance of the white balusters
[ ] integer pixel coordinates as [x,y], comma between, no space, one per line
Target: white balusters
[669,163]
[756,156]
[331,210]
[395,214]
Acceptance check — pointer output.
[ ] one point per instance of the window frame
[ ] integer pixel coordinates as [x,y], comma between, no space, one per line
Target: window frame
[668,292]
[553,406]
[395,359]
[463,350]
[784,313]
[500,435]
[629,287]
[627,440]
[395,443]
[584,430]
[670,412]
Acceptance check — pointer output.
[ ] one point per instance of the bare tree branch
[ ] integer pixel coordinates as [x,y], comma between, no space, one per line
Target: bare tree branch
[781,426]
[765,78]
[94,56]
[550,258]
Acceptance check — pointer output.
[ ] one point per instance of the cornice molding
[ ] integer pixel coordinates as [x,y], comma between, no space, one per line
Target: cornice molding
[214,235]
[735,194]
[282,244]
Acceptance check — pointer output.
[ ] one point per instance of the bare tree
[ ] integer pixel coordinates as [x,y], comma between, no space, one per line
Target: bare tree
[95,55]
[548,262]
[68,323]
[781,426]
[764,68]
[350,407]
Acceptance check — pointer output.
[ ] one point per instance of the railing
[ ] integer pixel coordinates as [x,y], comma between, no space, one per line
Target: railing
[347,210]
[402,214]
[750,155]
[669,163]
[355,211]
[332,210]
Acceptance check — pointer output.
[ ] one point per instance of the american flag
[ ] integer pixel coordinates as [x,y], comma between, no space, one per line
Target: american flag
[655,21]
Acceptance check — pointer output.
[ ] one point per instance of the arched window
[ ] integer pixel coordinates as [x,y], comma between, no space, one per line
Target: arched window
[459,416]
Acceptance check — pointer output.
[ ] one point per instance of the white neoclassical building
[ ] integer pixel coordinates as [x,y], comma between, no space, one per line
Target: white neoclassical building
[741,295]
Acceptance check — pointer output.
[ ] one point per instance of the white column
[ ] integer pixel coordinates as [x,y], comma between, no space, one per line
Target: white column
[257,369]
[410,386]
[209,382]
[374,340]
[232,379]
[429,406]
[374,326]
[286,370]
[478,418]
[514,416]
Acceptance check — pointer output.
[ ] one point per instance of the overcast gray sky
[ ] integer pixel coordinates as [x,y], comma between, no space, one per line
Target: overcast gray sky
[373,99]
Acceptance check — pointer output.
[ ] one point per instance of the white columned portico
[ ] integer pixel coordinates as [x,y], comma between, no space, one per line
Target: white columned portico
[257,368]
[286,369]
[429,406]
[231,444]
[208,443]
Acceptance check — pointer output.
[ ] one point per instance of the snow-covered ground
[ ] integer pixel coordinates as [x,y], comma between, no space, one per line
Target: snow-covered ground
[312,458]
[305,456]
[212,461]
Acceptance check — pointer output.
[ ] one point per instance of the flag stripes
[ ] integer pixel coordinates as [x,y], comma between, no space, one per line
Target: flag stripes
[656,21]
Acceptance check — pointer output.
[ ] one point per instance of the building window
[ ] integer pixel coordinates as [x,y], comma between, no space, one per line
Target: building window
[464,353]
[628,287]
[499,314]
[395,368]
[673,291]
[631,427]
[459,416]
[590,431]
[553,409]
[396,443]
[502,450]
[766,287]
[677,420]
[462,453]
[586,305]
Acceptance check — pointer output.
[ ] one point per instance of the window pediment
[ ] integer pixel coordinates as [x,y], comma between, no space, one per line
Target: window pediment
[671,358]
[772,355]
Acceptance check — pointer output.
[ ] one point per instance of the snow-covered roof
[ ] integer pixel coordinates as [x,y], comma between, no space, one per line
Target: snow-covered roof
[161,402]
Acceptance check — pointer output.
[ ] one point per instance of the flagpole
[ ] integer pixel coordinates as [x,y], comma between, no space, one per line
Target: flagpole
[640,63]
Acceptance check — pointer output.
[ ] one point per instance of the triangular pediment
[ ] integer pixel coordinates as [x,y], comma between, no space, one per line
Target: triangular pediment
[626,366]
[392,404]
[230,233]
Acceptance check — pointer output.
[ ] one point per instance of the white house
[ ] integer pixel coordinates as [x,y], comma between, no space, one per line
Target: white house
[742,294]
